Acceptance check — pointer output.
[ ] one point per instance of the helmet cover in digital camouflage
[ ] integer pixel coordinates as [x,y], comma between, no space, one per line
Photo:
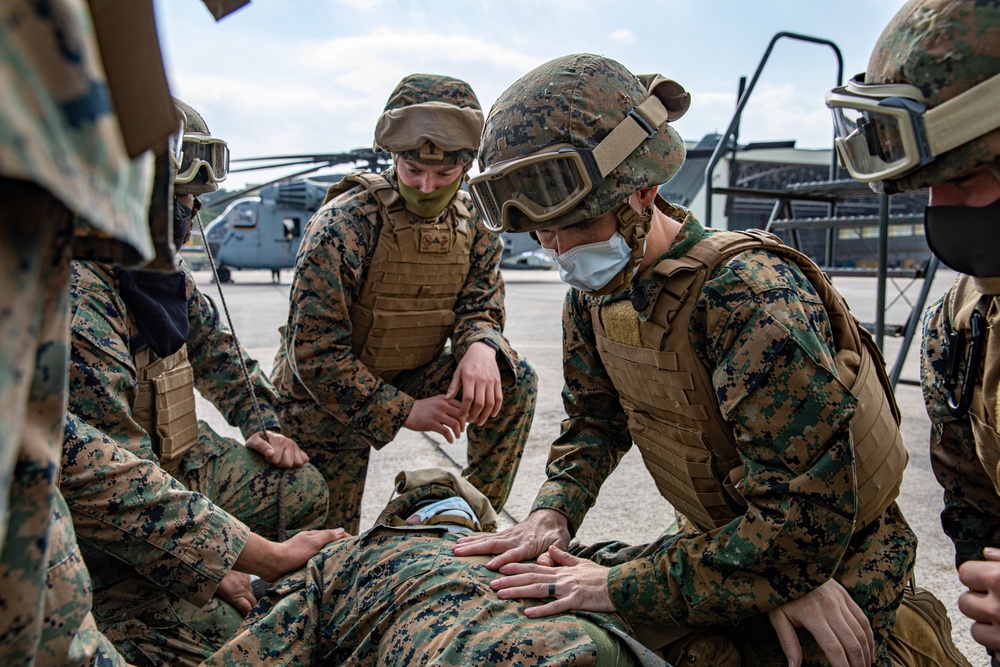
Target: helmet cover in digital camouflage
[431,119]
[943,47]
[579,99]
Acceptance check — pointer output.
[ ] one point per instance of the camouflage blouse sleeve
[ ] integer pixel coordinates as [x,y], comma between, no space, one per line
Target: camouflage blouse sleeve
[479,309]
[215,354]
[766,339]
[131,508]
[329,275]
[595,432]
[109,476]
[971,516]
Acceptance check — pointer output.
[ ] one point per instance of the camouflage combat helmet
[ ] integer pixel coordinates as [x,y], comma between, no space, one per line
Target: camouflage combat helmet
[578,100]
[431,119]
[943,47]
[204,160]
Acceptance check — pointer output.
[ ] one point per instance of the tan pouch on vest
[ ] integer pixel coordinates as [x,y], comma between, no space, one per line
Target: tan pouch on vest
[922,634]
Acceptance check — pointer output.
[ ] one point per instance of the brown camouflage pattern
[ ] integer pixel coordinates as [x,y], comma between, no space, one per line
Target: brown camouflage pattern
[398,596]
[420,88]
[943,47]
[765,339]
[578,99]
[337,409]
[184,532]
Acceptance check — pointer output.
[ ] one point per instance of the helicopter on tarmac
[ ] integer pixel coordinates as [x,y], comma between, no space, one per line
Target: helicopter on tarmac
[261,227]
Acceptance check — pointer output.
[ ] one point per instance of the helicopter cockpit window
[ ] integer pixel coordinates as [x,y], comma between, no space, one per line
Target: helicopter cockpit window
[245,218]
[293,228]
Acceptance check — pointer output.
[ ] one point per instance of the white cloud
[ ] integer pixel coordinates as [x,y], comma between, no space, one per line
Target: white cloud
[622,36]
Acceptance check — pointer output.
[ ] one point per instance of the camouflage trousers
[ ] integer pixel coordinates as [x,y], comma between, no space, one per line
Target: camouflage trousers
[877,590]
[396,597]
[149,625]
[494,449]
[45,591]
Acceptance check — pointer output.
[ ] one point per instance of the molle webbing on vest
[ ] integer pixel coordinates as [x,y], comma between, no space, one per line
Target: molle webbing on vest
[963,300]
[165,405]
[404,314]
[674,416]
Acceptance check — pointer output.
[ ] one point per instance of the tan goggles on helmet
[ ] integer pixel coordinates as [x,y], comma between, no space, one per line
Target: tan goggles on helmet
[886,131]
[542,185]
[200,150]
[550,182]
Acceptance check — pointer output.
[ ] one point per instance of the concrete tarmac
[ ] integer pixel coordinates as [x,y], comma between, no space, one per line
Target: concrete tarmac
[629,508]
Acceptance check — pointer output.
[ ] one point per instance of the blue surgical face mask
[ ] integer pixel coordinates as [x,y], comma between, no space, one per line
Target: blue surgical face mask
[592,266]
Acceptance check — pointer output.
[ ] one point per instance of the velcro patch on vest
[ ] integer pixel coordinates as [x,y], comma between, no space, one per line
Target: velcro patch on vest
[435,240]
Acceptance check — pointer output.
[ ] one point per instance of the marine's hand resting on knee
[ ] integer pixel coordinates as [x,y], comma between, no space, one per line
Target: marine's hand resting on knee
[834,620]
[478,378]
[277,449]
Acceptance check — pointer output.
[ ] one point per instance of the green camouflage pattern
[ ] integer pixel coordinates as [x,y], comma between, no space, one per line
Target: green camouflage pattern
[764,337]
[59,130]
[578,99]
[970,516]
[336,409]
[185,533]
[45,593]
[421,88]
[943,47]
[398,596]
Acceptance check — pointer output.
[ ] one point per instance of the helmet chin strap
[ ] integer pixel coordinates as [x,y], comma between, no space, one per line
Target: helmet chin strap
[633,227]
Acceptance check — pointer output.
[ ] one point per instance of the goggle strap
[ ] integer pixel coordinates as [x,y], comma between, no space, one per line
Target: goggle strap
[964,117]
[640,124]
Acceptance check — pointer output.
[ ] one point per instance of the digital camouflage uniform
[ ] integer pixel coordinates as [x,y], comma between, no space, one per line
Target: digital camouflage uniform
[60,154]
[398,596]
[946,48]
[789,541]
[965,448]
[152,611]
[331,401]
[730,387]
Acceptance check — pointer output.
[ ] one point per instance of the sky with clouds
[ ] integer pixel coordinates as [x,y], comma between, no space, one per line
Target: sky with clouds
[310,76]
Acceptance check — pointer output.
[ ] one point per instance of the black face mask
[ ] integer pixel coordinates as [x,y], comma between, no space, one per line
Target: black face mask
[965,238]
[158,305]
[182,222]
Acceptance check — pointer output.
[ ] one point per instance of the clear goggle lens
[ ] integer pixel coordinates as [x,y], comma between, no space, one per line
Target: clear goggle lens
[873,144]
[540,187]
[199,151]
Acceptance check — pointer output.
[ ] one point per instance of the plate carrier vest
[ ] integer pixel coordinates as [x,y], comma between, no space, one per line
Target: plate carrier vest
[674,416]
[963,299]
[405,312]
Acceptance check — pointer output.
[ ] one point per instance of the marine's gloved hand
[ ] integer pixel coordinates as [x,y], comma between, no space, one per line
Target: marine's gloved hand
[478,378]
[526,541]
[272,560]
[235,589]
[278,450]
[575,583]
[834,620]
[981,602]
[438,414]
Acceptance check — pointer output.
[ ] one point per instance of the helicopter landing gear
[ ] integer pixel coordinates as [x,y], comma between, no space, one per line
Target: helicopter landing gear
[225,276]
